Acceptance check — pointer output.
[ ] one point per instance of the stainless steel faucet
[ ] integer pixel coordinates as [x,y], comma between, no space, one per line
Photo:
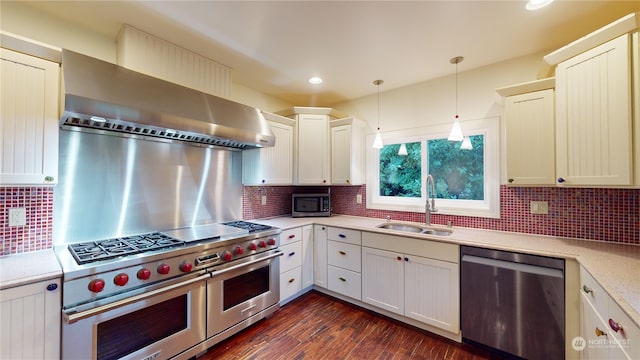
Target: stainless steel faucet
[430,207]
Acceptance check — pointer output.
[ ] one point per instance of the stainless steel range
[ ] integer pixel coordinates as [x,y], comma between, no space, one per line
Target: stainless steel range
[167,294]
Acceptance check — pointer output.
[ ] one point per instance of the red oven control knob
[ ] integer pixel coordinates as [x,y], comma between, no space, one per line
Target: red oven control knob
[271,242]
[96,285]
[121,279]
[164,269]
[262,243]
[144,274]
[238,250]
[226,256]
[253,247]
[186,266]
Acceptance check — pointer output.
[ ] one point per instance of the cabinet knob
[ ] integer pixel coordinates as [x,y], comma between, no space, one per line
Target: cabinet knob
[324,181]
[48,179]
[347,181]
[614,325]
[291,280]
[342,253]
[561,180]
[52,287]
[292,253]
[586,289]
[406,259]
[263,181]
[342,279]
[510,181]
[600,332]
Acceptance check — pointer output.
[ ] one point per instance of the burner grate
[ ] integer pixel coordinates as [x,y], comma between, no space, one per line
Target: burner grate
[252,227]
[93,251]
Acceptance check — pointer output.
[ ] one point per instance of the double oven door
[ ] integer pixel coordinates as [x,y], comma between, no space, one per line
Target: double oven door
[238,293]
[154,325]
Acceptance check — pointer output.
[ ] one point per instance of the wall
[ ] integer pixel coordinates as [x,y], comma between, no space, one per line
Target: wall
[38,233]
[611,215]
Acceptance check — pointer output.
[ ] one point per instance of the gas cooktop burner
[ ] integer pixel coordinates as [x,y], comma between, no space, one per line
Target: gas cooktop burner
[252,227]
[108,249]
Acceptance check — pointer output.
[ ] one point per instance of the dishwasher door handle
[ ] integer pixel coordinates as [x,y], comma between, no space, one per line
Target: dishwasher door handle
[527,268]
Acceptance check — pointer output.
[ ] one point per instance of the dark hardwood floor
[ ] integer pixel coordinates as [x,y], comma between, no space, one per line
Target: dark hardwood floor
[316,326]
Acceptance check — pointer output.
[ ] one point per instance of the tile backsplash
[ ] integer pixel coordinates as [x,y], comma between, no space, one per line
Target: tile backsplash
[611,215]
[37,234]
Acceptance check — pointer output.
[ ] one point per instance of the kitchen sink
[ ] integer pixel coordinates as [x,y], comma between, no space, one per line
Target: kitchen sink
[418,229]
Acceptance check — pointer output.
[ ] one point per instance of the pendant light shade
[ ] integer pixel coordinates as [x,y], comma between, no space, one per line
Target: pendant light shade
[403,150]
[377,142]
[466,144]
[456,130]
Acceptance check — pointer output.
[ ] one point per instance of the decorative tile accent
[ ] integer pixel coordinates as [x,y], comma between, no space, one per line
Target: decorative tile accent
[37,234]
[611,215]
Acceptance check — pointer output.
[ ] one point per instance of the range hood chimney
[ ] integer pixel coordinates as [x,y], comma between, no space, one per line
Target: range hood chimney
[107,97]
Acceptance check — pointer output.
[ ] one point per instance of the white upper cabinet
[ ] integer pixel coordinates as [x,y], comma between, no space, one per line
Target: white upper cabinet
[29,114]
[312,145]
[530,141]
[271,165]
[347,152]
[594,116]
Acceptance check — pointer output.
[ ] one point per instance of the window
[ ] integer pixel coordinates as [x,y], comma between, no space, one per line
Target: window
[466,181]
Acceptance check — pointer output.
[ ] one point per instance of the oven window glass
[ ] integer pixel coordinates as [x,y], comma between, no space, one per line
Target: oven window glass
[131,332]
[245,287]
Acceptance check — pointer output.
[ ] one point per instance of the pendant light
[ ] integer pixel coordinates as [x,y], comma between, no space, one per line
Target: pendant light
[403,150]
[456,131]
[377,142]
[466,144]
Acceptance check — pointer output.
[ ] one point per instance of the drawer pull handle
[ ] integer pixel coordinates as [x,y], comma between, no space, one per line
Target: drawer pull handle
[587,289]
[342,252]
[399,258]
[292,236]
[615,326]
[406,259]
[342,235]
[292,253]
[342,279]
[291,280]
[600,332]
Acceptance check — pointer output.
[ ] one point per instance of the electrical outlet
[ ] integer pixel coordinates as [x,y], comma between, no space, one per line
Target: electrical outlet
[17,217]
[264,200]
[539,207]
[359,199]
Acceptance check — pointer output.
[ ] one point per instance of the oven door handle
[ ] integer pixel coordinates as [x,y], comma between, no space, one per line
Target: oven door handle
[244,264]
[72,315]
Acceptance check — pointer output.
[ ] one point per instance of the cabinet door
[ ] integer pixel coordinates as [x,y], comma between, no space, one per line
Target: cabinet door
[313,150]
[530,138]
[307,256]
[383,279]
[593,116]
[341,155]
[270,165]
[290,284]
[29,99]
[30,321]
[320,255]
[292,257]
[432,292]
[593,331]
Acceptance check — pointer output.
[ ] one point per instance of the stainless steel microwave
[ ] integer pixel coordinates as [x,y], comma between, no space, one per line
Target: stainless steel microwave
[310,205]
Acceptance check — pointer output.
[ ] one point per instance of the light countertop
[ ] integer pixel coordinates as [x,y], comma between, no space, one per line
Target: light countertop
[616,267]
[26,268]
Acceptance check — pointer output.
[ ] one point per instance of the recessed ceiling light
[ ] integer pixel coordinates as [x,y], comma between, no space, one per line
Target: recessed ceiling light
[315,80]
[537,4]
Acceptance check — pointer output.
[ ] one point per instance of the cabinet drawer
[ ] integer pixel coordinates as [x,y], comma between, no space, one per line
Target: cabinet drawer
[629,335]
[291,235]
[345,282]
[594,292]
[345,235]
[346,256]
[290,283]
[292,256]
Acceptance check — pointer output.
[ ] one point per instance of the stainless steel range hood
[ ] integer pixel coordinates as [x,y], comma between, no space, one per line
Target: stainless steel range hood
[107,97]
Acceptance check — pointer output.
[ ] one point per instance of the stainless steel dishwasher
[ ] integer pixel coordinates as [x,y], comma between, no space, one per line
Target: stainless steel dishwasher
[513,302]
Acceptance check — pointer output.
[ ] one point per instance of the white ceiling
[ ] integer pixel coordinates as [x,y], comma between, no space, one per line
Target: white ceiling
[275,46]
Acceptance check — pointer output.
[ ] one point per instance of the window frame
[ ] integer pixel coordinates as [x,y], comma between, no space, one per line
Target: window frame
[489,207]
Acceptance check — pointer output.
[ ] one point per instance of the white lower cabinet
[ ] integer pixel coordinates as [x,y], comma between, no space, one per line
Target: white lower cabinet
[320,233]
[290,264]
[344,262]
[607,332]
[418,279]
[307,256]
[30,321]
